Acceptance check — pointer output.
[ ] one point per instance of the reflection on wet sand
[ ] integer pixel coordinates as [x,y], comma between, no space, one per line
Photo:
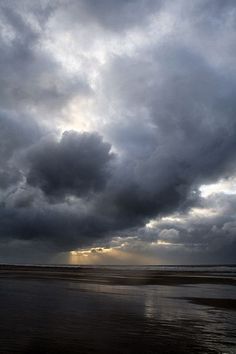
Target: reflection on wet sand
[68,316]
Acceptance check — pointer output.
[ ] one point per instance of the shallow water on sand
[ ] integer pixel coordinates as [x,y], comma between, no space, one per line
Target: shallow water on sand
[59,316]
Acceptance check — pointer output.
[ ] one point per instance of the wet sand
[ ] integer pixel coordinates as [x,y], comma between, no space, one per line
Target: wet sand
[221,303]
[116,310]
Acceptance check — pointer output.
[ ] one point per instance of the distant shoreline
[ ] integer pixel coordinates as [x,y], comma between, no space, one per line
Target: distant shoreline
[109,275]
[63,265]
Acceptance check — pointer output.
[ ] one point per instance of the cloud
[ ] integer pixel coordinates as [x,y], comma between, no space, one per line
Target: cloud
[76,165]
[204,233]
[31,80]
[14,136]
[156,90]
[111,15]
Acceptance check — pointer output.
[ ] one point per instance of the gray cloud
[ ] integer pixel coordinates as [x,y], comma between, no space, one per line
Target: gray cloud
[111,15]
[204,233]
[76,165]
[31,79]
[14,136]
[165,106]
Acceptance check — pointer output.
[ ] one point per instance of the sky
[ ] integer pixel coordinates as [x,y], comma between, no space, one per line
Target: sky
[118,131]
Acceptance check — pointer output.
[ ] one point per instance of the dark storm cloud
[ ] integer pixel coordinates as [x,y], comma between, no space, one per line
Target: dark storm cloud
[76,165]
[56,227]
[191,133]
[60,227]
[169,110]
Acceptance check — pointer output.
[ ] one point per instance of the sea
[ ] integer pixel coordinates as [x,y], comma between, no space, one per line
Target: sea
[47,315]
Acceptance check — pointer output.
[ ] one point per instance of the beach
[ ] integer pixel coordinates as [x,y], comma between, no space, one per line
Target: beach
[62,309]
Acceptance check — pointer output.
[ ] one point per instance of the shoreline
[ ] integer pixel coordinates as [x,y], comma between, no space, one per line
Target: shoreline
[113,276]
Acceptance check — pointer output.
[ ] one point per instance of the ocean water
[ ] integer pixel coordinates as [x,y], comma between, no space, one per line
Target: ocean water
[64,316]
